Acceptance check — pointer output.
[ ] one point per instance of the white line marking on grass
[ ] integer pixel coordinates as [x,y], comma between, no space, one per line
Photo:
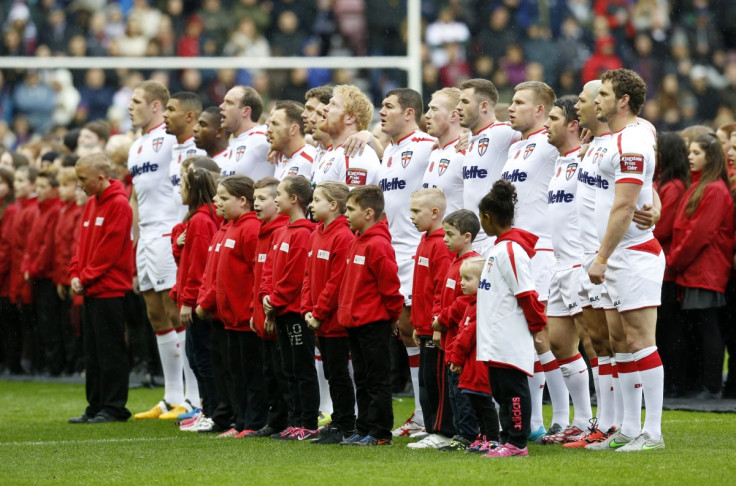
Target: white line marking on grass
[85,441]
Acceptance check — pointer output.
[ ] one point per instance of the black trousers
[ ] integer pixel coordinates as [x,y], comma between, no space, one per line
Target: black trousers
[296,341]
[277,389]
[48,322]
[11,335]
[369,347]
[106,357]
[224,413]
[511,390]
[198,347]
[727,315]
[336,359]
[246,362]
[671,341]
[706,331]
[464,419]
[487,415]
[434,393]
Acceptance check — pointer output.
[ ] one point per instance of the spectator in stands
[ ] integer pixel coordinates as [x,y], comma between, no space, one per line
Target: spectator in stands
[96,97]
[445,31]
[134,42]
[706,96]
[66,97]
[246,41]
[190,44]
[53,32]
[35,99]
[494,41]
[216,21]
[287,39]
[254,10]
[514,64]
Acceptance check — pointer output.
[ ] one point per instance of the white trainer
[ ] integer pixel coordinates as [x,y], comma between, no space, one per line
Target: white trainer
[432,441]
[643,442]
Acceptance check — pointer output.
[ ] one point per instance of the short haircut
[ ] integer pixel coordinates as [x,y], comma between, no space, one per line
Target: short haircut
[465,221]
[19,160]
[500,202]
[727,128]
[252,99]
[627,82]
[543,94]
[31,172]
[593,88]
[201,162]
[267,183]
[293,111]
[694,131]
[215,113]
[50,175]
[154,90]
[189,101]
[567,105]
[69,160]
[409,98]
[432,196]
[474,264]
[66,175]
[239,185]
[335,191]
[368,197]
[484,89]
[452,95]
[299,186]
[99,162]
[356,103]
[100,128]
[322,93]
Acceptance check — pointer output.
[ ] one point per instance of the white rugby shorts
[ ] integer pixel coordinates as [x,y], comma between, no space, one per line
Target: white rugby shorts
[542,264]
[155,262]
[633,280]
[406,276]
[590,293]
[564,295]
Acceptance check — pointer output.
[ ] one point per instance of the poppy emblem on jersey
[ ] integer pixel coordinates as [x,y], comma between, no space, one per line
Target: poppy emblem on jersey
[444,163]
[389,162]
[431,166]
[406,158]
[599,155]
[529,150]
[239,152]
[559,170]
[571,168]
[158,143]
[482,146]
[470,147]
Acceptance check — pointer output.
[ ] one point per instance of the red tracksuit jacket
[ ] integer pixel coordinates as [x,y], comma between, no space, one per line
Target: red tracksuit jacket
[38,260]
[328,253]
[461,352]
[264,257]
[452,300]
[200,228]
[430,267]
[20,290]
[102,261]
[370,288]
[282,280]
[207,296]
[235,281]
[66,240]
[6,227]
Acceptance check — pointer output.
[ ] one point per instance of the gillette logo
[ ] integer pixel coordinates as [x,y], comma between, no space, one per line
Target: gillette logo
[391,185]
[473,172]
[559,197]
[146,167]
[515,176]
[595,181]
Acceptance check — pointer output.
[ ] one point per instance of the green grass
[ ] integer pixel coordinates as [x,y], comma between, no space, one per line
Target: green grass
[37,446]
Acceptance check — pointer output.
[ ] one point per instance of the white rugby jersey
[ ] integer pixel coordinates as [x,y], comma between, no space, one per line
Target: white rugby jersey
[588,180]
[530,166]
[222,157]
[630,159]
[445,170]
[486,154]
[401,174]
[502,332]
[319,159]
[360,170]
[179,154]
[562,211]
[300,163]
[149,159]
[248,155]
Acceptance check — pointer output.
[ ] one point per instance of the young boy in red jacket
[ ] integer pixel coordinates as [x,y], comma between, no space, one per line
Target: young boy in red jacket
[369,307]
[461,228]
[427,208]
[8,312]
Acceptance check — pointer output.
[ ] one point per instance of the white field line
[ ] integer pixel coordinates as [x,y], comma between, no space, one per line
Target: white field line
[86,441]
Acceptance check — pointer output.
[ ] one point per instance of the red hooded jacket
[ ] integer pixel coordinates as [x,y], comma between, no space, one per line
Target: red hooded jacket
[430,267]
[264,257]
[461,352]
[207,296]
[200,228]
[235,280]
[66,240]
[20,290]
[452,300]
[702,244]
[670,194]
[6,226]
[282,280]
[38,260]
[105,237]
[370,288]
[328,253]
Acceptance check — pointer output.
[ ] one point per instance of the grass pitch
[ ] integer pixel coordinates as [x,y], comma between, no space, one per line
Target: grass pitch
[37,446]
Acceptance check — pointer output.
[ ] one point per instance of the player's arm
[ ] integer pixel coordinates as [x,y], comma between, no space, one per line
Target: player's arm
[649,214]
[136,218]
[355,144]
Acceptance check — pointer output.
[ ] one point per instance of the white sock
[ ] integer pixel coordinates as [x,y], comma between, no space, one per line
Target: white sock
[618,398]
[171,353]
[352,379]
[191,386]
[325,401]
[536,390]
[628,377]
[413,353]
[652,379]
[606,401]
[575,373]
[557,389]
[596,376]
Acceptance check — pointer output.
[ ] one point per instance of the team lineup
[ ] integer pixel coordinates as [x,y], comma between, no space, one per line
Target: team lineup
[277,262]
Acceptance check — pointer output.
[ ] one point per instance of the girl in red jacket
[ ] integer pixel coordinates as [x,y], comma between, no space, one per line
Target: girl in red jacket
[701,254]
[328,249]
[234,294]
[8,316]
[280,293]
[197,191]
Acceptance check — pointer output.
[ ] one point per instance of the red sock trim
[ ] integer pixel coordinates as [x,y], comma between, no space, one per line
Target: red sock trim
[414,361]
[318,357]
[163,333]
[605,369]
[627,367]
[538,367]
[594,363]
[181,328]
[569,360]
[551,366]
[614,370]
[649,362]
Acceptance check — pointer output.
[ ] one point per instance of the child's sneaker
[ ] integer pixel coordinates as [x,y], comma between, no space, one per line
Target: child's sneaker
[352,440]
[301,433]
[284,434]
[507,450]
[370,441]
[458,443]
[407,428]
[562,436]
[432,441]
[536,435]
